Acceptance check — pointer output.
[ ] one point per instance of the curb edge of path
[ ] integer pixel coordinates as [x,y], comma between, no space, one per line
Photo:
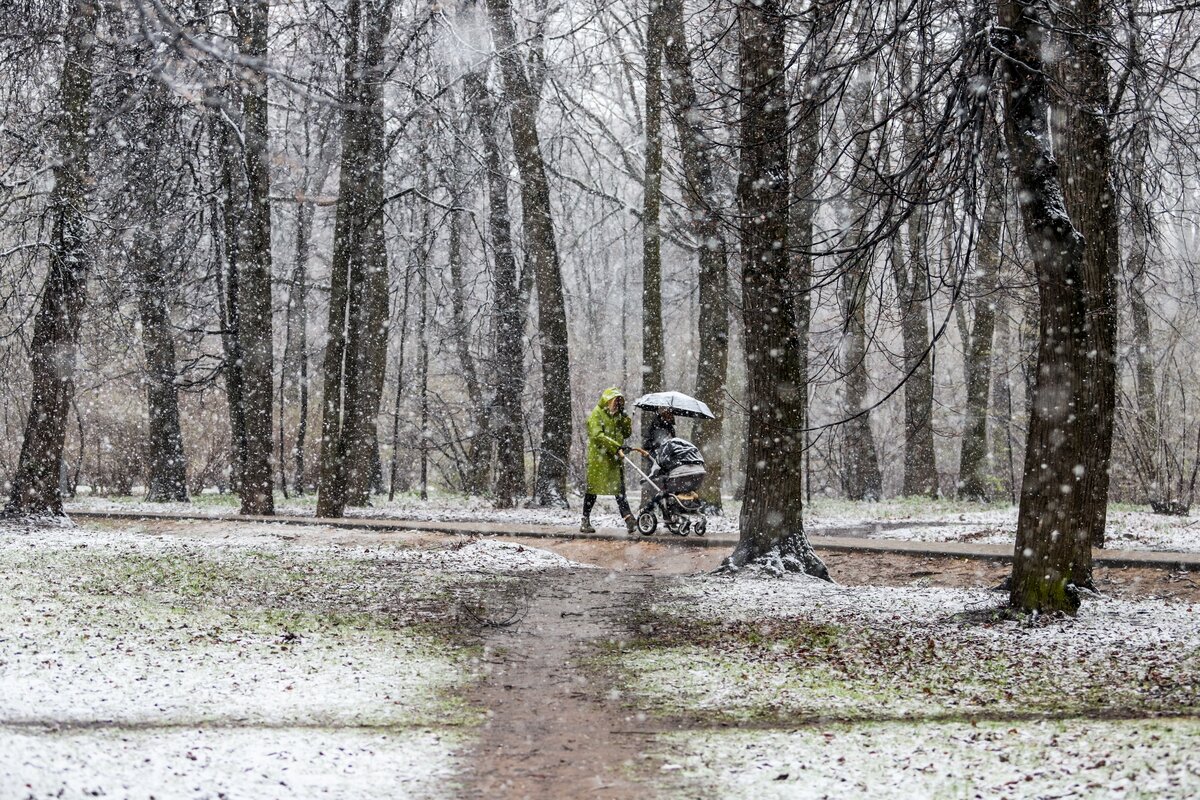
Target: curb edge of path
[838,539]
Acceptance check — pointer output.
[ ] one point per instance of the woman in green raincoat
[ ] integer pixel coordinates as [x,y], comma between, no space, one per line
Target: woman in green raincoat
[608,427]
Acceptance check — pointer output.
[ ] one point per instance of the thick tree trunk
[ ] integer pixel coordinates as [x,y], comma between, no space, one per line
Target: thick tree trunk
[772,530]
[973,473]
[35,484]
[355,355]
[702,198]
[1091,202]
[550,483]
[1054,522]
[254,325]
[508,376]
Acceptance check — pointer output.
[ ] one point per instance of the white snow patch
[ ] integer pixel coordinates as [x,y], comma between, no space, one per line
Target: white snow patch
[226,762]
[1073,758]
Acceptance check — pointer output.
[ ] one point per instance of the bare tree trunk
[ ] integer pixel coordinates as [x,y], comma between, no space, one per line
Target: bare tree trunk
[863,478]
[1053,544]
[550,483]
[35,484]
[508,416]
[298,327]
[973,483]
[254,328]
[149,195]
[478,450]
[355,356]
[167,475]
[653,357]
[1092,204]
[231,188]
[772,529]
[912,289]
[1141,226]
[701,196]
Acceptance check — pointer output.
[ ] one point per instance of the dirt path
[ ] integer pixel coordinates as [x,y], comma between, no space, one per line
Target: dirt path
[551,732]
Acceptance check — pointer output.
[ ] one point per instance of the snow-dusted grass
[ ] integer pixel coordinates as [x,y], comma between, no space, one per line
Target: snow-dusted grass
[337,763]
[1043,759]
[909,518]
[769,649]
[905,692]
[231,658]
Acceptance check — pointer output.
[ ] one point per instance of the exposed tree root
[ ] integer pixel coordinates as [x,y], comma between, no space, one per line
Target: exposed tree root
[791,555]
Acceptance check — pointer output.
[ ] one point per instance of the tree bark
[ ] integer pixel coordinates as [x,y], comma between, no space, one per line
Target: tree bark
[508,414]
[478,450]
[701,195]
[863,478]
[53,351]
[254,324]
[355,355]
[1053,523]
[772,529]
[550,482]
[653,357]
[973,473]
[167,473]
[1091,202]
[912,285]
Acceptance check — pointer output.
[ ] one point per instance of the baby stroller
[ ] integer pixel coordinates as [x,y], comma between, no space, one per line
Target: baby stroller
[678,472]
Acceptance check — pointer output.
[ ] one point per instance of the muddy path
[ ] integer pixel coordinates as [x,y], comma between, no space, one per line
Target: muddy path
[553,730]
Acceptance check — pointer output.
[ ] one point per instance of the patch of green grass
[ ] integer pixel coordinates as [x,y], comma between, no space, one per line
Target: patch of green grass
[792,667]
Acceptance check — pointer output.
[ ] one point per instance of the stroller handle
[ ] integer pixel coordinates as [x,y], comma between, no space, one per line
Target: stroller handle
[646,477]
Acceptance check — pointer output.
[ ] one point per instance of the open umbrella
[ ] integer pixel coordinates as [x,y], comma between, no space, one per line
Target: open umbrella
[681,404]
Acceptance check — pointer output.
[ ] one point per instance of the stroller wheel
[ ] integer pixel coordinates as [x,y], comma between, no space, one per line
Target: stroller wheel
[678,526]
[700,526]
[646,523]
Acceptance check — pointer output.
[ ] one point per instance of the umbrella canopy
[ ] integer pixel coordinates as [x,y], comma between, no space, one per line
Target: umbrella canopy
[681,404]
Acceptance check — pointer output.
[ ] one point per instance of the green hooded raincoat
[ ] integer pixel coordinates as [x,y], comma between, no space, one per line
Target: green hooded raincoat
[606,433]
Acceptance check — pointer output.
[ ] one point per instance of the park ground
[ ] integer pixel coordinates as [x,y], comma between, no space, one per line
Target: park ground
[217,659]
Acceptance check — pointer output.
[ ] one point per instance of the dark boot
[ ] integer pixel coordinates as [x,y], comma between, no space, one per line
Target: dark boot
[586,525]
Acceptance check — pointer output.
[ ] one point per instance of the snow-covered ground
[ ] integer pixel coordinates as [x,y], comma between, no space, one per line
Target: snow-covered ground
[915,519]
[1080,758]
[904,692]
[232,663]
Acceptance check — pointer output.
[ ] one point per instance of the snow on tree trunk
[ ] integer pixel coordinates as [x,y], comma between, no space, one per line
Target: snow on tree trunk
[1053,523]
[772,531]
[35,485]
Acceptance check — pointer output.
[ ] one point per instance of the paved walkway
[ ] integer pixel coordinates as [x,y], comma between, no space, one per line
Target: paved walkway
[847,538]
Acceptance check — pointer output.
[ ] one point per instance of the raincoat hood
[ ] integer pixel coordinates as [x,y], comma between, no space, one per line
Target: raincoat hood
[608,394]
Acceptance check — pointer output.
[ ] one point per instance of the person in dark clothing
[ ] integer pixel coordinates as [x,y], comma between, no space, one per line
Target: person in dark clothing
[662,427]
